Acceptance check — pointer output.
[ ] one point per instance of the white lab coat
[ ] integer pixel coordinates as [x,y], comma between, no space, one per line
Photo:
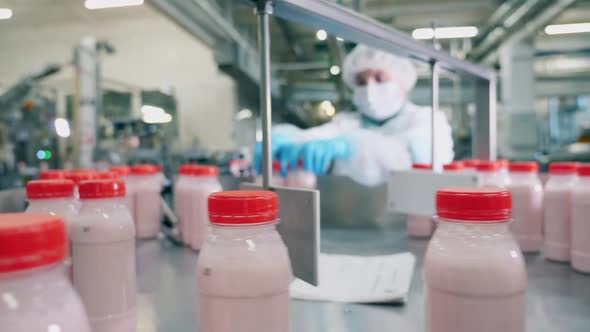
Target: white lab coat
[395,145]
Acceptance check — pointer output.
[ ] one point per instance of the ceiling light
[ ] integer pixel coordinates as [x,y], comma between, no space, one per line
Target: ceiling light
[445,33]
[559,29]
[327,107]
[321,35]
[339,39]
[153,114]
[335,70]
[5,13]
[243,114]
[100,4]
[62,127]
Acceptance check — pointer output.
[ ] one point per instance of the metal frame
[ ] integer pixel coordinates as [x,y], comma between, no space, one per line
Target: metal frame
[353,26]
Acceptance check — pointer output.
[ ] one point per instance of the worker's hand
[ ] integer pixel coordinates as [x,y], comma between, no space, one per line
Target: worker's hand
[318,155]
[279,142]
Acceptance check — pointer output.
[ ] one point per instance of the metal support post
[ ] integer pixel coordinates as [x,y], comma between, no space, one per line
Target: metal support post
[485,131]
[435,89]
[264,10]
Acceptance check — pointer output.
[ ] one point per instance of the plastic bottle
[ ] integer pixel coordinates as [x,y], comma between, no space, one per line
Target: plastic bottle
[54,197]
[556,211]
[504,171]
[103,255]
[181,189]
[277,177]
[527,205]
[454,167]
[124,173]
[580,221]
[300,178]
[203,182]
[474,272]
[53,174]
[243,271]
[147,211]
[488,173]
[420,226]
[36,295]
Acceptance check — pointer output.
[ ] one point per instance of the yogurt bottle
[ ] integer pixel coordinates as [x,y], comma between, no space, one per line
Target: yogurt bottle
[124,172]
[474,272]
[243,270]
[36,295]
[54,197]
[454,167]
[471,164]
[556,210]
[147,211]
[103,254]
[580,223]
[53,174]
[420,226]
[300,178]
[489,175]
[527,205]
[277,177]
[203,182]
[182,185]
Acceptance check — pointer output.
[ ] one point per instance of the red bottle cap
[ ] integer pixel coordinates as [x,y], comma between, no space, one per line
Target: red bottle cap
[471,163]
[96,189]
[47,189]
[122,170]
[30,240]
[584,169]
[276,166]
[481,205]
[504,163]
[198,170]
[524,167]
[563,168]
[488,166]
[144,169]
[456,166]
[422,166]
[109,175]
[81,175]
[53,174]
[243,207]
[186,169]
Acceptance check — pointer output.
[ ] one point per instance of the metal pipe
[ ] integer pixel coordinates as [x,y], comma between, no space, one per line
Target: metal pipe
[263,10]
[435,90]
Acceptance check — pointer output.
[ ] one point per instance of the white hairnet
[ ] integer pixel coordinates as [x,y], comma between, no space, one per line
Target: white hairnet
[363,58]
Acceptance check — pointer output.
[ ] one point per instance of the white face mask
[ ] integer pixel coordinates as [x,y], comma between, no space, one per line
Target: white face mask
[379,101]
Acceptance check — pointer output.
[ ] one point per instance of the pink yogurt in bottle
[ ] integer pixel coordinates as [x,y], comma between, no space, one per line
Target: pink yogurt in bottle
[203,181]
[55,197]
[147,212]
[103,254]
[420,226]
[301,178]
[489,175]
[474,271]
[182,187]
[36,295]
[556,213]
[580,221]
[527,205]
[243,271]
[124,172]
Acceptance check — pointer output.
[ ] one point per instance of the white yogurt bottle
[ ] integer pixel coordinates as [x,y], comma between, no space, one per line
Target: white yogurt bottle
[124,173]
[204,181]
[527,205]
[147,212]
[454,167]
[35,293]
[301,178]
[489,175]
[182,185]
[103,254]
[53,174]
[277,177]
[474,271]
[243,271]
[580,221]
[420,226]
[556,210]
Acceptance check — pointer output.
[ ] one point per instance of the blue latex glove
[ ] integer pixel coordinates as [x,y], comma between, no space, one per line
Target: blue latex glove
[318,155]
[279,143]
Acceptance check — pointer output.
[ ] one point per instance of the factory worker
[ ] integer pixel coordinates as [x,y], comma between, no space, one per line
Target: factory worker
[387,133]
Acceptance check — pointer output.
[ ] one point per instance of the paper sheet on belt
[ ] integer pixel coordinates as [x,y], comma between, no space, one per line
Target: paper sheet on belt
[360,279]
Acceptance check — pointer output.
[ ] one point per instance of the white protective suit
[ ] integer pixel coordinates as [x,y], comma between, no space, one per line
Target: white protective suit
[377,150]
